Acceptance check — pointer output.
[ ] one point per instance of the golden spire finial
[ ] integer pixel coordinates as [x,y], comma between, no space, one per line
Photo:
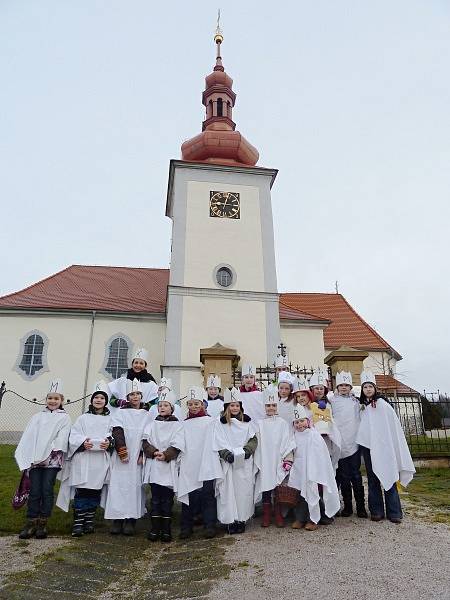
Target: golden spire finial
[218,36]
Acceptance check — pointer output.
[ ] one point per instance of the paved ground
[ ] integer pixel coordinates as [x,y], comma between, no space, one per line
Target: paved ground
[353,559]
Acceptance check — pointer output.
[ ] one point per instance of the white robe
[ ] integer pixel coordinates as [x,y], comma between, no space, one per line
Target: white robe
[275,442]
[286,411]
[214,408]
[235,490]
[381,432]
[89,468]
[198,462]
[46,431]
[118,389]
[161,435]
[312,466]
[346,415]
[126,498]
[253,405]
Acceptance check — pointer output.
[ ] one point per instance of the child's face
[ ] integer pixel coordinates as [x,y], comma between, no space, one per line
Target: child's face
[369,390]
[300,424]
[138,365]
[53,401]
[164,408]
[248,380]
[213,391]
[98,401]
[271,409]
[302,398]
[284,390]
[344,389]
[194,406]
[318,391]
[134,398]
[235,408]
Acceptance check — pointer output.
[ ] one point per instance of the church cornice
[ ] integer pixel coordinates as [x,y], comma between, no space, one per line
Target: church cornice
[176,290]
[42,312]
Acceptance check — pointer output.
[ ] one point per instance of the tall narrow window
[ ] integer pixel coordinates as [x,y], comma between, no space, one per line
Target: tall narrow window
[117,363]
[219,107]
[32,357]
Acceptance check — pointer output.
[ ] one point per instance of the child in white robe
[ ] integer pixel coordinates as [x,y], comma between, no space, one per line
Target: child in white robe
[302,395]
[163,440]
[138,370]
[385,452]
[165,385]
[251,396]
[273,456]
[41,452]
[235,441]
[87,469]
[214,400]
[125,501]
[312,467]
[286,397]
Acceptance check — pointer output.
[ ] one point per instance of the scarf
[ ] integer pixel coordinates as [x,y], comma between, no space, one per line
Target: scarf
[143,376]
[252,389]
[201,413]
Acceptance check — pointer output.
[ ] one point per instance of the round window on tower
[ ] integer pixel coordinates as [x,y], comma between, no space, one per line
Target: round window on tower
[224,276]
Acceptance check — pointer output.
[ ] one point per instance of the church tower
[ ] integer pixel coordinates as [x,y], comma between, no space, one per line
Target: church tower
[223,283]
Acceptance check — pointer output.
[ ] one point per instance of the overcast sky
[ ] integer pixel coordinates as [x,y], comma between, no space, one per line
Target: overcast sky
[350,101]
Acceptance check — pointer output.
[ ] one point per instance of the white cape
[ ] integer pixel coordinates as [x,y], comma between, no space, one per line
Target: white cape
[381,432]
[198,462]
[161,435]
[346,416]
[118,389]
[89,468]
[253,405]
[275,442]
[235,490]
[126,498]
[46,431]
[215,408]
[312,466]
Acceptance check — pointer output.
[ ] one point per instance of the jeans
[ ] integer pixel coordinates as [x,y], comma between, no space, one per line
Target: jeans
[86,499]
[162,500]
[202,500]
[391,497]
[40,500]
[348,476]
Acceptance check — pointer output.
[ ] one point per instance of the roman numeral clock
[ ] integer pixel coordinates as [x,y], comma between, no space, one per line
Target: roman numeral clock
[225,205]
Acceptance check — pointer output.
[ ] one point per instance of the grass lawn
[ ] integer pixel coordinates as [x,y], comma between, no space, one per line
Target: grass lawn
[429,494]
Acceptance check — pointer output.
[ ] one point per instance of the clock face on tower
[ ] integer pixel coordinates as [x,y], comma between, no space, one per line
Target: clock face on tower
[225,205]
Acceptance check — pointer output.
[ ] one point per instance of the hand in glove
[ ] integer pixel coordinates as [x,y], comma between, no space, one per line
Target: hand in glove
[230,458]
[247,454]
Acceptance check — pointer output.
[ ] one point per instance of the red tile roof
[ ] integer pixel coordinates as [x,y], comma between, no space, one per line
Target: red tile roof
[347,328]
[388,383]
[287,312]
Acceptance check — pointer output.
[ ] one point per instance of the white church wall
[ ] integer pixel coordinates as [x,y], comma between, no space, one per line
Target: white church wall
[380,363]
[304,344]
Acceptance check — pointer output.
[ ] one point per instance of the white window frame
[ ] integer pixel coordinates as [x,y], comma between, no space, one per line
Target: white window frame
[45,368]
[108,343]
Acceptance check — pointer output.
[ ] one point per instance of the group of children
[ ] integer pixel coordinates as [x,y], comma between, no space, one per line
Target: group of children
[290,446]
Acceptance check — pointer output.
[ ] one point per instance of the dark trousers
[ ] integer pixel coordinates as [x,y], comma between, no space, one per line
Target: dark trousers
[86,499]
[348,476]
[301,510]
[201,501]
[391,497]
[40,500]
[162,500]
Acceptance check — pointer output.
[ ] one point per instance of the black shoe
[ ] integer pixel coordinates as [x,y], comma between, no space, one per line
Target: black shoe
[129,527]
[78,521]
[347,511]
[210,532]
[29,529]
[396,520]
[185,534]
[41,531]
[326,520]
[240,527]
[361,513]
[89,519]
[153,534]
[117,527]
[376,517]
[232,528]
[166,533]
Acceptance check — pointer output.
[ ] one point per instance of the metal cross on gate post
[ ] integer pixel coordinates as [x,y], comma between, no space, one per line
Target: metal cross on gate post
[282,348]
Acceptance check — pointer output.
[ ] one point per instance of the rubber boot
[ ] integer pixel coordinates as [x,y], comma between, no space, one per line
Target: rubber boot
[279,521]
[166,533]
[116,527]
[78,522]
[129,527]
[29,529]
[267,514]
[41,531]
[361,512]
[89,521]
[240,526]
[153,534]
[347,498]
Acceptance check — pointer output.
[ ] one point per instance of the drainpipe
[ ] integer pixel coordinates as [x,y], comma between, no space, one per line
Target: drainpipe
[88,360]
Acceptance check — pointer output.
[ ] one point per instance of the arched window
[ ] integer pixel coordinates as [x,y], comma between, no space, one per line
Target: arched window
[117,360]
[224,277]
[32,359]
[219,107]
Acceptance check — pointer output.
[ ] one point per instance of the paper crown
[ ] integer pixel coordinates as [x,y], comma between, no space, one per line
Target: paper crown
[167,396]
[165,383]
[133,385]
[300,384]
[141,353]
[285,377]
[231,395]
[195,393]
[101,386]
[368,377]
[56,387]
[300,412]
[248,370]
[319,377]
[213,381]
[281,361]
[344,378]
[270,395]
